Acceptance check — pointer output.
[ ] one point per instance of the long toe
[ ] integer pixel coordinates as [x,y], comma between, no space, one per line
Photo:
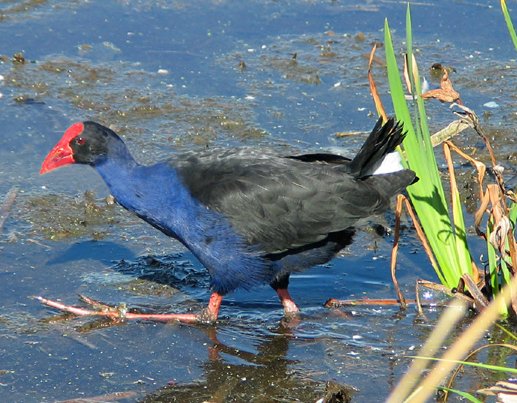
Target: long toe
[207,316]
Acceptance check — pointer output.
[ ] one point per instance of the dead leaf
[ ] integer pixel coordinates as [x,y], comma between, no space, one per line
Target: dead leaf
[373,88]
[446,92]
[506,391]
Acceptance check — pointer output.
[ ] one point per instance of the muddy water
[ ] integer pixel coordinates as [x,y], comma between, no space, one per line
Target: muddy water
[185,75]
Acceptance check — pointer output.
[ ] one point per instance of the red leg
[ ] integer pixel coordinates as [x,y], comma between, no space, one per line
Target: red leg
[207,315]
[288,303]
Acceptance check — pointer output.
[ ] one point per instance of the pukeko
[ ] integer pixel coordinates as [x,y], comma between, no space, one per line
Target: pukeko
[249,215]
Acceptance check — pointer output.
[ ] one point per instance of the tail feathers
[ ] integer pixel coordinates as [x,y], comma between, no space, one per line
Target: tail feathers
[382,140]
[393,183]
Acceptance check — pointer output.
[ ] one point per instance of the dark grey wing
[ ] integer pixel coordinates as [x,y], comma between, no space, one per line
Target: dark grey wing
[279,203]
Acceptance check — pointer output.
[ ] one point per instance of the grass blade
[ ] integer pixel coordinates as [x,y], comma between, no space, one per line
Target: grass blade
[496,368]
[509,23]
[465,395]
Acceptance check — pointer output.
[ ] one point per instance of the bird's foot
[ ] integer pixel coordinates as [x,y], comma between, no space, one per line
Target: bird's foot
[98,308]
[290,307]
[121,312]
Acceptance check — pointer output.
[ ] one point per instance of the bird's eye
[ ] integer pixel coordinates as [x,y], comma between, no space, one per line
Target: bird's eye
[80,141]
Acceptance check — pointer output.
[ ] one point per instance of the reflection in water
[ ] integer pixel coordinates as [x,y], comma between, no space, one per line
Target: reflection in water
[267,375]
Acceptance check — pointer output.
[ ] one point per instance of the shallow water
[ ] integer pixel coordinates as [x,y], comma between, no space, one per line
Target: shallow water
[183,75]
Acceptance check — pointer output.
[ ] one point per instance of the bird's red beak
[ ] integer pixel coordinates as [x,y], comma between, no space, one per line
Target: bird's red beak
[62,153]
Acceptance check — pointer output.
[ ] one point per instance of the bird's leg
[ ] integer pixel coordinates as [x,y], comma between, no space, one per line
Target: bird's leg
[280,284]
[207,315]
[288,303]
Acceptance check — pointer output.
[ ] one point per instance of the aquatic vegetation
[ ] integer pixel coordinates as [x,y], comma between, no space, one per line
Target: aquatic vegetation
[83,216]
[445,230]
[443,223]
[447,238]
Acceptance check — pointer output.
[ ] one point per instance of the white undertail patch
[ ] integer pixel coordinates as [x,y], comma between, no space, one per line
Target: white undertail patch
[391,163]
